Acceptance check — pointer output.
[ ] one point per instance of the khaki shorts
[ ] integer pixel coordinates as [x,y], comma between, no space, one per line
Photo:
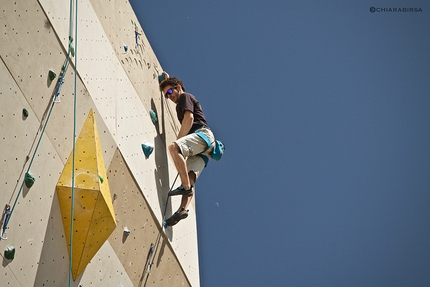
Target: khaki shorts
[192,145]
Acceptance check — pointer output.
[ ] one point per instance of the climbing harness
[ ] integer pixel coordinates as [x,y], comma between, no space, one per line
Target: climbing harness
[217,151]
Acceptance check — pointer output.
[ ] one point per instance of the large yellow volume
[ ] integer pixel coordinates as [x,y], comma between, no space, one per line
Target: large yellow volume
[94,217]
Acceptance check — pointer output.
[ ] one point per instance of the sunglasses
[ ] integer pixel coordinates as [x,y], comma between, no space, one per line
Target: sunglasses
[169,92]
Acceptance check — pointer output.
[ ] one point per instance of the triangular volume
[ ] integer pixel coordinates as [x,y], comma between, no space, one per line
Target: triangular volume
[86,167]
[101,227]
[94,217]
[102,175]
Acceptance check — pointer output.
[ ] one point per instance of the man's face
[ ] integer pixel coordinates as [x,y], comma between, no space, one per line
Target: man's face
[171,93]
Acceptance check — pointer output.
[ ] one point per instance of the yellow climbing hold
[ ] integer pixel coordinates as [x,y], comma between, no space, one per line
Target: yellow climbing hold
[94,217]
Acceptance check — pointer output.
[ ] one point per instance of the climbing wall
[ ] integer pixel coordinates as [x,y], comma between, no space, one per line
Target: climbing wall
[117,78]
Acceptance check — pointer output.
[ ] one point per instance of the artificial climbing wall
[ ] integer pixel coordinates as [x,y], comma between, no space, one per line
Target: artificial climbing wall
[117,78]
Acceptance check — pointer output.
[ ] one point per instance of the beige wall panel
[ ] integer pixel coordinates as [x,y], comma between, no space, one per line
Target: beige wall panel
[17,134]
[139,61]
[30,49]
[105,269]
[129,141]
[7,276]
[58,13]
[96,64]
[30,70]
[141,65]
[30,216]
[134,213]
[16,137]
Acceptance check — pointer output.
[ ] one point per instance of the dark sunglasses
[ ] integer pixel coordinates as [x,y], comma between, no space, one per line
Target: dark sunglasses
[169,92]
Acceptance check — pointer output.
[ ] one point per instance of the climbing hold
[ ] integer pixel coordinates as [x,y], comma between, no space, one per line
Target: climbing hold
[153,117]
[9,252]
[52,75]
[101,178]
[147,149]
[165,224]
[125,48]
[126,231]
[25,113]
[72,50]
[29,180]
[161,78]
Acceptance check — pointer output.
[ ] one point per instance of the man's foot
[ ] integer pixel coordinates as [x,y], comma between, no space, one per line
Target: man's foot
[180,191]
[176,217]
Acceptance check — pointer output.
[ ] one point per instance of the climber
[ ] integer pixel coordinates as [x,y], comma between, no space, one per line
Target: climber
[194,144]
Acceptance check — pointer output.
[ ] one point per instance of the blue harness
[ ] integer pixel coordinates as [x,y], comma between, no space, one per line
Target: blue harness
[217,151]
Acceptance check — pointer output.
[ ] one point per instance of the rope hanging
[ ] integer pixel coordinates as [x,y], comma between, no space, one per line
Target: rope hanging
[153,249]
[75,53]
[29,178]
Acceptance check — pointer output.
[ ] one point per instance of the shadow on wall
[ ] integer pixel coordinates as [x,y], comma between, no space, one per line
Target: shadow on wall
[161,172]
[53,265]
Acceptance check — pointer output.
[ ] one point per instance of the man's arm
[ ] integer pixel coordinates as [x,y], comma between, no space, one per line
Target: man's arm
[187,123]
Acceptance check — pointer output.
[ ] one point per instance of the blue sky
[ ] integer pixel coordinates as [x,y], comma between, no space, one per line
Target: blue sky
[325,113]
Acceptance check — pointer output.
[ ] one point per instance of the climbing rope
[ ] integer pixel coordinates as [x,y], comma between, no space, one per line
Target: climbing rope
[72,208]
[29,179]
[153,249]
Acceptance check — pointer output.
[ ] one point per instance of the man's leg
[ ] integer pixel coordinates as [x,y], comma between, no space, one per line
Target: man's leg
[186,199]
[180,164]
[195,164]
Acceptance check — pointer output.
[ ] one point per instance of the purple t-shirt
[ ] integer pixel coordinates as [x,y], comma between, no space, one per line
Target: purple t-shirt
[188,102]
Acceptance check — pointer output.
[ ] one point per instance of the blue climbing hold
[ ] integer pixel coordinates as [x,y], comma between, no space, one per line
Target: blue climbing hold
[153,117]
[147,149]
[165,224]
[161,78]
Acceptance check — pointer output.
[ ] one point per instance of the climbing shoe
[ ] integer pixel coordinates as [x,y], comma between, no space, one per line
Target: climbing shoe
[176,217]
[180,191]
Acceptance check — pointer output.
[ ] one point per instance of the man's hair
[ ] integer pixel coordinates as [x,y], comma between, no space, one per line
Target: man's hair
[171,82]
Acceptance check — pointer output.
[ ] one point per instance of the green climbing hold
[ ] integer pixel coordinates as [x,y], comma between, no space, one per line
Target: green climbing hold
[29,180]
[25,113]
[101,178]
[9,252]
[161,78]
[52,75]
[72,50]
[153,117]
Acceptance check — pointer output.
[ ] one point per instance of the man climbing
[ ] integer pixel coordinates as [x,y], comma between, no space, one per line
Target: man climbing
[194,144]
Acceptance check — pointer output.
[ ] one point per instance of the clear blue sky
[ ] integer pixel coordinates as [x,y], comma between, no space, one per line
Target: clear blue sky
[325,113]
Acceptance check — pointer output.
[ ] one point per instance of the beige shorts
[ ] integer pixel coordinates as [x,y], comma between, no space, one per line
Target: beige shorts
[192,145]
